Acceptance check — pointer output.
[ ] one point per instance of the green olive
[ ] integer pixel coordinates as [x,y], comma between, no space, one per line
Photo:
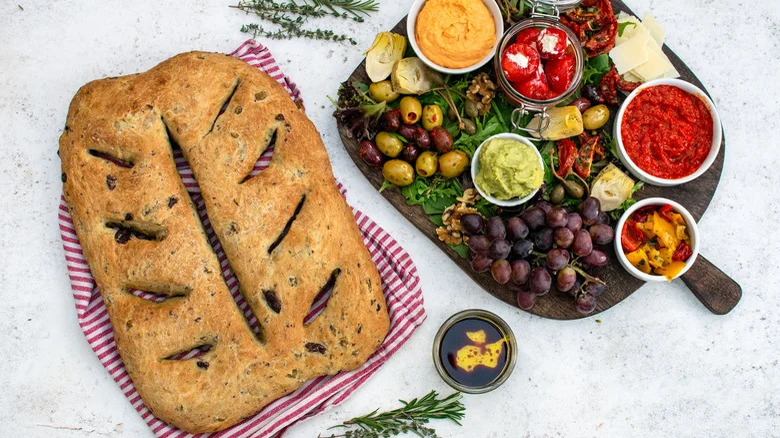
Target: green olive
[469,127]
[382,91]
[390,145]
[398,172]
[595,117]
[453,163]
[557,194]
[427,163]
[573,188]
[432,117]
[410,109]
[471,108]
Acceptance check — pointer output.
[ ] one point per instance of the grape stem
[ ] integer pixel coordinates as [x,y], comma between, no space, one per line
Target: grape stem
[588,277]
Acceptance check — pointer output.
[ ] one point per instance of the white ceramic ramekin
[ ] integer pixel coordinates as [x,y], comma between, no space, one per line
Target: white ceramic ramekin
[475,167]
[693,232]
[717,134]
[411,22]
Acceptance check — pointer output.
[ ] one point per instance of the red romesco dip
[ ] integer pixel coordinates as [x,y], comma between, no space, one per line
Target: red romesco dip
[667,132]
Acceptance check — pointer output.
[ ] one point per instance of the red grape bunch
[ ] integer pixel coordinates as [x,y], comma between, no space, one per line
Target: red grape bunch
[544,246]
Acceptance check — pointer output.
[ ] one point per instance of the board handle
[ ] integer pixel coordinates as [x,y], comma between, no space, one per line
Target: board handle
[716,290]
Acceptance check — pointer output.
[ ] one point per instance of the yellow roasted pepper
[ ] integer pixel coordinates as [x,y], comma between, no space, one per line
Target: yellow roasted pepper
[639,259]
[665,232]
[670,270]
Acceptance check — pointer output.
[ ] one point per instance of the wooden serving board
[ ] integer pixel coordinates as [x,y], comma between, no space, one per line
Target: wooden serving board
[716,290]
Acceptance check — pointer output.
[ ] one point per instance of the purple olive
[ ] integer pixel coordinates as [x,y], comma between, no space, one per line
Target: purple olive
[410,153]
[408,132]
[391,121]
[370,153]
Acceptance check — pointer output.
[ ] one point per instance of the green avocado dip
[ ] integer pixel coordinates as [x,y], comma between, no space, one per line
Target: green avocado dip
[508,169]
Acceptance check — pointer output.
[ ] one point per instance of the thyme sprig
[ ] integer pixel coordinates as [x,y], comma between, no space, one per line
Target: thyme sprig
[290,16]
[411,417]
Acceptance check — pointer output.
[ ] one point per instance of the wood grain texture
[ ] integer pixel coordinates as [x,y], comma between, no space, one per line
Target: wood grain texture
[716,290]
[695,196]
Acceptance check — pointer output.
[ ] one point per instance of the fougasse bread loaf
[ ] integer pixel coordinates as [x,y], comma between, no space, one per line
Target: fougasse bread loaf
[286,231]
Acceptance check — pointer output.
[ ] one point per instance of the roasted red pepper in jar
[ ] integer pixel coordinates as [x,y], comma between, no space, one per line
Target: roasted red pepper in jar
[552,43]
[519,62]
[529,36]
[560,73]
[535,87]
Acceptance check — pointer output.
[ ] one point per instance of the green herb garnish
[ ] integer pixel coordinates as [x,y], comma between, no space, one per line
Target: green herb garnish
[289,17]
[412,417]
[622,26]
[595,69]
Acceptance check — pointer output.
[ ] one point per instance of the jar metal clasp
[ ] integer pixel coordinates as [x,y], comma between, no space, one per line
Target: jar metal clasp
[521,111]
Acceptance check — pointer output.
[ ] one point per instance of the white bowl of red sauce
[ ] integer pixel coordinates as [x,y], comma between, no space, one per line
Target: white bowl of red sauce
[668,132]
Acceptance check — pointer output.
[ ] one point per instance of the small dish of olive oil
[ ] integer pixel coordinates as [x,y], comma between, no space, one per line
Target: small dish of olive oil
[474,351]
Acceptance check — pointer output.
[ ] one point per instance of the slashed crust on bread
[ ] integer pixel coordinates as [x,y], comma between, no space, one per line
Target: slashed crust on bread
[287,234]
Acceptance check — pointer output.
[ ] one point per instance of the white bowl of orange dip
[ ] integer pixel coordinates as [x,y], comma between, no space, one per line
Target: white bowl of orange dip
[668,132]
[455,36]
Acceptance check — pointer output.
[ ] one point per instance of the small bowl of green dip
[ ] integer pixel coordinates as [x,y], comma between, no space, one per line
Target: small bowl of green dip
[507,170]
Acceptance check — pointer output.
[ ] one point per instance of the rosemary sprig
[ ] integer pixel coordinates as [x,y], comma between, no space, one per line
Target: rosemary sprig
[290,16]
[411,417]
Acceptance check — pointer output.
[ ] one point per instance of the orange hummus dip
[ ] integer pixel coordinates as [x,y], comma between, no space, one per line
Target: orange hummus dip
[455,33]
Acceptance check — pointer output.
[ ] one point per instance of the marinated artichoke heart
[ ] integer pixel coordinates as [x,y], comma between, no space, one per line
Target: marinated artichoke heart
[611,187]
[412,76]
[565,122]
[388,47]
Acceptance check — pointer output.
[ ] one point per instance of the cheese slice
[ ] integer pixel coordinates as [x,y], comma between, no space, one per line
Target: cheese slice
[671,73]
[638,54]
[628,31]
[656,66]
[631,53]
[631,77]
[654,28]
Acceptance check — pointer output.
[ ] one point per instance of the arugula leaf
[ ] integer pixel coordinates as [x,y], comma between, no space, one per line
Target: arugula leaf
[399,137]
[622,26]
[433,194]
[462,250]
[610,143]
[469,143]
[544,151]
[485,208]
[438,206]
[386,185]
[595,69]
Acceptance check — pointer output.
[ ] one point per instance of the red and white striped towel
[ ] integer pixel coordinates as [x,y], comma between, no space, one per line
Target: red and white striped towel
[400,284]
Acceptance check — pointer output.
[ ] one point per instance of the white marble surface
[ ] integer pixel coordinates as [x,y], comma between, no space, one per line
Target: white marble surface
[658,365]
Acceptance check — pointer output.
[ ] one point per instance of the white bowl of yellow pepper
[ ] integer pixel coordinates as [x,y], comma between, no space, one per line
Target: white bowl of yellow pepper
[657,240]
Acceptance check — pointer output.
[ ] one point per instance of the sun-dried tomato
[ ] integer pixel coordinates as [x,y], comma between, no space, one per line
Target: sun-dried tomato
[607,86]
[585,157]
[595,24]
[682,253]
[567,154]
[625,85]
